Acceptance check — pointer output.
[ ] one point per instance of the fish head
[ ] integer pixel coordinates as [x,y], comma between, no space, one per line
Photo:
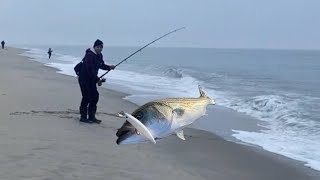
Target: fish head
[152,115]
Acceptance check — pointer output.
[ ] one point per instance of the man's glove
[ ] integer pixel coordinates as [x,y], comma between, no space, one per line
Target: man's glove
[112,67]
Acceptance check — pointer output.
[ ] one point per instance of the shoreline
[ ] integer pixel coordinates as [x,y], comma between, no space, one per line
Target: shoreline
[203,167]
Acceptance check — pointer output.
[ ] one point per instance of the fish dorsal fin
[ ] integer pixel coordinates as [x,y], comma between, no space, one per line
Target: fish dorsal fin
[202,93]
[180,134]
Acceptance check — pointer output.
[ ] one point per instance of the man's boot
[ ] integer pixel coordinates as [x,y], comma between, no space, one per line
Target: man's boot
[92,115]
[83,115]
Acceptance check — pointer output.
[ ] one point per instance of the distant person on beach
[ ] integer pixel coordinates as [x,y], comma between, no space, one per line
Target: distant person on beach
[50,52]
[88,80]
[2,44]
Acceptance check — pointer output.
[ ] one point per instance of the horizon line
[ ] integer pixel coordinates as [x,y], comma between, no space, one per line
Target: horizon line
[187,47]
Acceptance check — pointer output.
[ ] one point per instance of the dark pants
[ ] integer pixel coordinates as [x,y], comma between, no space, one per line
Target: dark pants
[2,46]
[49,55]
[90,98]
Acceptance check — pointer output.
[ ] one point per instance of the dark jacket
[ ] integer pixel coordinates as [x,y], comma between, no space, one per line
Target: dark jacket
[92,62]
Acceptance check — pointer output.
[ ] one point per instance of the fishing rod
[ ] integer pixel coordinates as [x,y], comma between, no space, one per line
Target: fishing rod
[143,48]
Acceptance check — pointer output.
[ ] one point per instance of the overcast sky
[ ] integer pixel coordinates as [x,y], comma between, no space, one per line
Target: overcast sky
[285,24]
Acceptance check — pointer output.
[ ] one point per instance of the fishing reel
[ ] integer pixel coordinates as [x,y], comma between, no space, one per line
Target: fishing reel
[100,81]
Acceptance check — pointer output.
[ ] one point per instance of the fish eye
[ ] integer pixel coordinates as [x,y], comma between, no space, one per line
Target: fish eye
[139,116]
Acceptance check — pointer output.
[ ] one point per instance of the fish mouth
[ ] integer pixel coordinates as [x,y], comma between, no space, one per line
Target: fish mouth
[125,133]
[124,137]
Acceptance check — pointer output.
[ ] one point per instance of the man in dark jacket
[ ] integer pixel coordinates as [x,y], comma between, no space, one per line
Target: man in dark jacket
[88,78]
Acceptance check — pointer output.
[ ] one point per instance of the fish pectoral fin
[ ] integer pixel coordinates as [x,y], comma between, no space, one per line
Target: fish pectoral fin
[180,134]
[178,111]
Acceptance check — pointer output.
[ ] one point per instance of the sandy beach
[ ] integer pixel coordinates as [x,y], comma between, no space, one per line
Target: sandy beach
[42,139]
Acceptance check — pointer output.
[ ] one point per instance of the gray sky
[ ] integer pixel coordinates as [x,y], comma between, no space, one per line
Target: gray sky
[285,24]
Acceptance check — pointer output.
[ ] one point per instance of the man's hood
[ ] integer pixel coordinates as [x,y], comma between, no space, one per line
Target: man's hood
[91,50]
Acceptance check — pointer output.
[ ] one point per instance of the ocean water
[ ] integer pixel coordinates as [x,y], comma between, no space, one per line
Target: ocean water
[279,88]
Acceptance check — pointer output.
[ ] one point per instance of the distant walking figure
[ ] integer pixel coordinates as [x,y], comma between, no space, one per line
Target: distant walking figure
[50,52]
[2,44]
